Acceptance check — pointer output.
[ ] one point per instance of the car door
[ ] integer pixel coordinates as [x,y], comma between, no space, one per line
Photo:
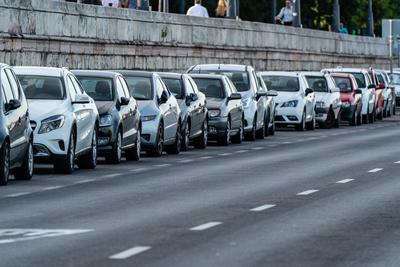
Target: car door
[234,105]
[201,102]
[128,113]
[166,110]
[261,105]
[194,110]
[310,98]
[334,95]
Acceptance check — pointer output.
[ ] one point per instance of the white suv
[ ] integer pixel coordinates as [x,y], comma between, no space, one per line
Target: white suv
[295,101]
[327,97]
[64,118]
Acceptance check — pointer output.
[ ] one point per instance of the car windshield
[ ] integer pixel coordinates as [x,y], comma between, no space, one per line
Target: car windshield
[360,78]
[42,87]
[140,87]
[344,84]
[98,88]
[239,78]
[282,83]
[175,86]
[210,87]
[318,84]
[395,78]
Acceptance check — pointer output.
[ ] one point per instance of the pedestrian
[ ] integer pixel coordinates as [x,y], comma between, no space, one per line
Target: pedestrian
[343,29]
[197,10]
[131,4]
[285,16]
[222,9]
[110,3]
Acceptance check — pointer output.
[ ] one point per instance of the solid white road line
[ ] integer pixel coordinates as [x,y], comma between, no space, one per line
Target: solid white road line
[264,207]
[18,194]
[375,170]
[205,226]
[308,192]
[345,181]
[129,253]
[53,187]
[84,181]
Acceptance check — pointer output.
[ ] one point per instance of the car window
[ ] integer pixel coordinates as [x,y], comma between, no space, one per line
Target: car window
[140,87]
[71,88]
[380,78]
[317,83]
[98,88]
[240,79]
[175,87]
[232,86]
[282,83]
[42,87]
[256,81]
[194,86]
[360,79]
[344,84]
[159,88]
[210,87]
[6,87]
[77,86]
[14,84]
[120,89]
[394,78]
[125,87]
[189,88]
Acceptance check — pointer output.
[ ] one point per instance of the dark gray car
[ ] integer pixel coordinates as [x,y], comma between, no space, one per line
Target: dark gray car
[225,108]
[193,109]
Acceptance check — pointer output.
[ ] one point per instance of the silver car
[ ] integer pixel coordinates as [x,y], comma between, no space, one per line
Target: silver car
[271,94]
[160,112]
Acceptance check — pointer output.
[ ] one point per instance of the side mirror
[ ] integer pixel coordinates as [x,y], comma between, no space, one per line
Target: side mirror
[358,91]
[124,101]
[81,99]
[235,96]
[272,93]
[381,86]
[261,93]
[164,98]
[309,91]
[371,86]
[191,98]
[13,104]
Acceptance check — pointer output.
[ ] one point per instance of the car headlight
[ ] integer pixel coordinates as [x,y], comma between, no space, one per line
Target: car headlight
[290,104]
[320,104]
[345,104]
[51,123]
[105,120]
[214,113]
[149,118]
[246,102]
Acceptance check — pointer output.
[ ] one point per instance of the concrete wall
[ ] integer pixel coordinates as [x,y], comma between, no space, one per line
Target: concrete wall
[51,33]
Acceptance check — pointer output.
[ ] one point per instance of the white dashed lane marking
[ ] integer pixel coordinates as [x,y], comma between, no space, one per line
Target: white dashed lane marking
[397,162]
[186,161]
[129,253]
[206,157]
[345,181]
[258,148]
[241,151]
[264,207]
[84,181]
[225,154]
[162,165]
[53,187]
[205,226]
[307,192]
[139,170]
[375,170]
[18,194]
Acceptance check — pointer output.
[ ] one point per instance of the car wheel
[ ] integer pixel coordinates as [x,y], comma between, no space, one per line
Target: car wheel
[158,149]
[25,172]
[251,136]
[365,118]
[330,120]
[379,116]
[394,110]
[302,125]
[67,164]
[201,141]
[5,166]
[133,154]
[359,120]
[271,130]
[311,125]
[226,138]
[371,117]
[176,147]
[353,121]
[238,138]
[115,155]
[260,134]
[337,121]
[185,137]
[89,161]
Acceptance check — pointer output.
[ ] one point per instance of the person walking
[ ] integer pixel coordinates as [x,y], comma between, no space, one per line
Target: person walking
[131,4]
[285,16]
[197,10]
[222,9]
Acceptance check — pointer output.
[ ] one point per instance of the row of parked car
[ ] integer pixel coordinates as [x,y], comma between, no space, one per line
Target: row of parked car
[67,117]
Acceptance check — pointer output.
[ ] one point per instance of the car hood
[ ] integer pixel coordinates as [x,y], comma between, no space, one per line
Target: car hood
[215,103]
[42,109]
[286,96]
[104,107]
[147,107]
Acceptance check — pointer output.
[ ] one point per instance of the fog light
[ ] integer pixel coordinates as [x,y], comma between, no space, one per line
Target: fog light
[292,118]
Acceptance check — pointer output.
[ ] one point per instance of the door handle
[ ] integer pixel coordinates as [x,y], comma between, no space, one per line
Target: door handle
[19,119]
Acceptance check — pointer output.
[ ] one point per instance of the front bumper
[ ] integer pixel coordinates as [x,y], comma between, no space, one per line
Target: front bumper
[249,113]
[288,116]
[149,134]
[107,136]
[217,127]
[321,114]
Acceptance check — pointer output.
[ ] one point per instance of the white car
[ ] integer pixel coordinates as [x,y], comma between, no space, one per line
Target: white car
[367,87]
[395,82]
[271,94]
[64,118]
[253,96]
[295,103]
[327,97]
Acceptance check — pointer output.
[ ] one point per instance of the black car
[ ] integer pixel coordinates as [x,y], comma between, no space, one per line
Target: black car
[193,109]
[120,125]
[225,108]
[16,137]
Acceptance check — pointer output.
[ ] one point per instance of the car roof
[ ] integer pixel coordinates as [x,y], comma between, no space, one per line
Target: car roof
[95,73]
[231,67]
[170,75]
[341,75]
[44,71]
[139,73]
[312,73]
[279,73]
[207,76]
[360,70]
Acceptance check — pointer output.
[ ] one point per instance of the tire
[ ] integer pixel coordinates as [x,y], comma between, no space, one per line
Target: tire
[114,157]
[353,121]
[394,110]
[260,134]
[359,120]
[271,130]
[238,138]
[89,161]
[302,125]
[133,154]
[201,141]
[158,149]
[379,116]
[371,117]
[226,138]
[25,172]
[251,136]
[330,120]
[337,121]
[176,147]
[185,137]
[5,166]
[365,118]
[311,125]
[67,165]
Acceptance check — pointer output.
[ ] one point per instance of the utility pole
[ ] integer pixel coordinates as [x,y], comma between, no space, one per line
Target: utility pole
[297,13]
[336,16]
[370,19]
[273,11]
[391,45]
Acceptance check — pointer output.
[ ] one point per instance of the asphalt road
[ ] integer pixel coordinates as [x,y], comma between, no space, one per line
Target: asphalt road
[322,198]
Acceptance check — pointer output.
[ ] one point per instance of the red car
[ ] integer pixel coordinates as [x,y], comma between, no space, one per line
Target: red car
[379,98]
[350,96]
